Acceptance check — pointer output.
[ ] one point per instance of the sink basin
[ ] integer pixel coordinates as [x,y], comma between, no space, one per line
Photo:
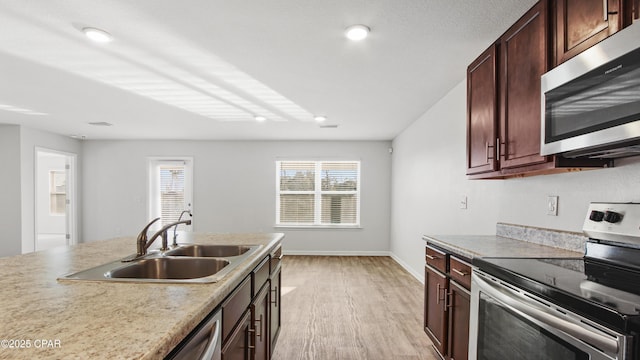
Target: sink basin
[209,250]
[188,264]
[169,268]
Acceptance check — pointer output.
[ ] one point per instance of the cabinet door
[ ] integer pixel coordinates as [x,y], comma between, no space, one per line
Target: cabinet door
[524,57]
[581,24]
[276,298]
[482,115]
[435,314]
[260,324]
[237,347]
[459,312]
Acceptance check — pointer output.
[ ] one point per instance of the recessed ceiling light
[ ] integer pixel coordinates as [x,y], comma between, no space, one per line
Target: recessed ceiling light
[100,123]
[260,118]
[97,35]
[320,118]
[357,32]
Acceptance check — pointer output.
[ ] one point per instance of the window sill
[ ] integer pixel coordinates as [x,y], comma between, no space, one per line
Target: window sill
[319,227]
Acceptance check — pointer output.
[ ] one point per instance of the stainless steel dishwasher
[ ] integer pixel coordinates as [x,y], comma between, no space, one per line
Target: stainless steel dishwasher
[203,343]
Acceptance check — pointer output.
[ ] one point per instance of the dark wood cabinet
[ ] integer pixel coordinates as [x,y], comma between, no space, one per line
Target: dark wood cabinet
[447,303]
[275,297]
[435,312]
[504,103]
[482,113]
[524,57]
[237,345]
[459,312]
[247,315]
[580,24]
[260,339]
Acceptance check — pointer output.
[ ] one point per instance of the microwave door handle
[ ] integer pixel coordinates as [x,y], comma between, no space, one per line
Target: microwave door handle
[534,311]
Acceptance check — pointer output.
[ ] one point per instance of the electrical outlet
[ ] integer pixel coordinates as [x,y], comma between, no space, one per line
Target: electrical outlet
[463,202]
[552,205]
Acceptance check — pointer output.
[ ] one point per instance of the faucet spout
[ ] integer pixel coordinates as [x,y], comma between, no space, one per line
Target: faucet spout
[143,242]
[175,236]
[142,239]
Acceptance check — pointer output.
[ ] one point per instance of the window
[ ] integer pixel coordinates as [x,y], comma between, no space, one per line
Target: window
[318,193]
[170,191]
[57,192]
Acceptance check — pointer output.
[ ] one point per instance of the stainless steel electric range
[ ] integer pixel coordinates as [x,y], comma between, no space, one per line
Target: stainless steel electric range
[580,308]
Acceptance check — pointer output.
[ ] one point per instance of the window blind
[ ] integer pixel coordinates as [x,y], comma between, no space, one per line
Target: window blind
[172,192]
[318,193]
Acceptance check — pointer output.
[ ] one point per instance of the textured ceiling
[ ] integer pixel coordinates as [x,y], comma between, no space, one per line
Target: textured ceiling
[202,69]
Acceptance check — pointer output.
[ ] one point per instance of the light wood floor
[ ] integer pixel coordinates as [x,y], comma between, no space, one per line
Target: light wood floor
[350,308]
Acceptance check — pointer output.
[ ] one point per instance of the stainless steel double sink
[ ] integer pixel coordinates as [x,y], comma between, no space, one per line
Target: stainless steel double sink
[186,263]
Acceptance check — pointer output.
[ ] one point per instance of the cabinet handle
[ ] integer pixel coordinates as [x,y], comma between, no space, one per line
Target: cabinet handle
[461,273]
[498,148]
[275,291]
[605,6]
[250,347]
[444,290]
[431,257]
[487,147]
[448,304]
[259,336]
[486,144]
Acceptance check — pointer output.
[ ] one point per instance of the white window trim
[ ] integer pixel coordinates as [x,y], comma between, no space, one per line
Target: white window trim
[154,184]
[317,194]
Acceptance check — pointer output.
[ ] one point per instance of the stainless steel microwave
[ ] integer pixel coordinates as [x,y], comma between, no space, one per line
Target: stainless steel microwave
[591,103]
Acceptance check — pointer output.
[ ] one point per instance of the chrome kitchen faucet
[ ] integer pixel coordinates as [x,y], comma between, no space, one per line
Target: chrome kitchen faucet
[143,242]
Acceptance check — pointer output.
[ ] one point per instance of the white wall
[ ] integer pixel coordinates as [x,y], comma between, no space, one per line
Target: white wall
[10,205]
[47,223]
[234,189]
[429,179]
[29,140]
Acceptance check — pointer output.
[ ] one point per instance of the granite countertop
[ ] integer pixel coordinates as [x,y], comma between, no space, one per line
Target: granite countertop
[46,318]
[470,246]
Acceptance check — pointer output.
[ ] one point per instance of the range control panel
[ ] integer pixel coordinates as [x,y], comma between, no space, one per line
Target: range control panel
[618,222]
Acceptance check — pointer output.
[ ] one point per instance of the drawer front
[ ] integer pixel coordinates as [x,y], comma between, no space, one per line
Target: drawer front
[436,258]
[234,306]
[276,257]
[460,272]
[260,275]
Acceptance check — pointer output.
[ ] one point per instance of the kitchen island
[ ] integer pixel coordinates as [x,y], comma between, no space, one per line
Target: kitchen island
[46,318]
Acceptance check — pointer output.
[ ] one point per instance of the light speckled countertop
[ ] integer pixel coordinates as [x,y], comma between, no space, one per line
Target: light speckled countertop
[471,246]
[106,320]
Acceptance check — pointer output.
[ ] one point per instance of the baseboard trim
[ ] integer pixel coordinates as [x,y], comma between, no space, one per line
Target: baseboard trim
[417,275]
[335,253]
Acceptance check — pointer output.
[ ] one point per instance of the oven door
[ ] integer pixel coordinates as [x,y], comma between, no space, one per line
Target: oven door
[508,323]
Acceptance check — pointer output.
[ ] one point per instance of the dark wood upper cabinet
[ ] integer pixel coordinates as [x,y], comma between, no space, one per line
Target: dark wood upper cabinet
[504,100]
[524,58]
[581,24]
[482,113]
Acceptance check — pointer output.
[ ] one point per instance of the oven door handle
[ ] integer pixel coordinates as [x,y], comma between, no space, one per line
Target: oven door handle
[541,314]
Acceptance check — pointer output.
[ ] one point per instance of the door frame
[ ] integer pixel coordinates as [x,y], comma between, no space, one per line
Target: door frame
[72,195]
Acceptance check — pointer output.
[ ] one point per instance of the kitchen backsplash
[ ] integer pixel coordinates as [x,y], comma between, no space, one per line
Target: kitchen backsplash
[561,239]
